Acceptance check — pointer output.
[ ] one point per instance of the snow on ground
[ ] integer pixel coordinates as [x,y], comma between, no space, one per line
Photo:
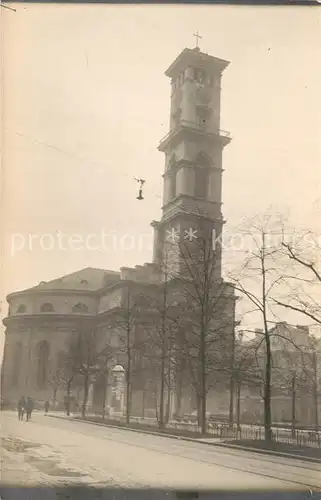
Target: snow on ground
[71,452]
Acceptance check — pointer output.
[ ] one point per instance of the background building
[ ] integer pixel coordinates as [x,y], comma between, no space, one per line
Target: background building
[296,376]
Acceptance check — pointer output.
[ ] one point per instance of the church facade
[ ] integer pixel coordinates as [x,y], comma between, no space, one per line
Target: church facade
[42,319]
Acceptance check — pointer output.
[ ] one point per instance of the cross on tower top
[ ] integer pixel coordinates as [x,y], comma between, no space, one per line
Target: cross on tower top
[197,36]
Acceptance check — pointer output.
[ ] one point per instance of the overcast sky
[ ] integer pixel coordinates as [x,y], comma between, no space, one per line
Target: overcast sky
[86,103]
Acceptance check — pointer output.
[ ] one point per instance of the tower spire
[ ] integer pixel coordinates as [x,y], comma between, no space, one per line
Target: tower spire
[193,150]
[198,37]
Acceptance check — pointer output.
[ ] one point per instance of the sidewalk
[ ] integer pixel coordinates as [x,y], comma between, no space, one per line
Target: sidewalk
[21,480]
[222,442]
[15,471]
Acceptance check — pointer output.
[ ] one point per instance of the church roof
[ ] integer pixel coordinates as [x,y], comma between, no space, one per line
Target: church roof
[87,279]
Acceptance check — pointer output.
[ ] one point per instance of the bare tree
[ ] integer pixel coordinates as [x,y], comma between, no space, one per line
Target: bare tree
[206,313]
[102,374]
[310,378]
[54,381]
[88,359]
[303,292]
[286,377]
[68,365]
[62,374]
[160,340]
[245,369]
[257,281]
[126,323]
[304,283]
[129,320]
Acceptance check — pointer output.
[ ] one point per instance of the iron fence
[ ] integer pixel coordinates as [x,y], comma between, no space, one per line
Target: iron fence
[254,433]
[224,431]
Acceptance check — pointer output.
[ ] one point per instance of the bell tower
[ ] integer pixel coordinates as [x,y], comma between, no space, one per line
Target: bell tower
[193,148]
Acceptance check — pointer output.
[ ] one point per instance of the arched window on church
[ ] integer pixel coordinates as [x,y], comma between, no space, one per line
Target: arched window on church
[47,307]
[80,308]
[61,360]
[42,364]
[21,309]
[17,358]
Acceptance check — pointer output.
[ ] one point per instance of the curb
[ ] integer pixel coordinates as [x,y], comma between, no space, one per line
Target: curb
[130,429]
[194,440]
[270,452]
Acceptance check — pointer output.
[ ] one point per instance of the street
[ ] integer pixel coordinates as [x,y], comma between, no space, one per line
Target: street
[55,452]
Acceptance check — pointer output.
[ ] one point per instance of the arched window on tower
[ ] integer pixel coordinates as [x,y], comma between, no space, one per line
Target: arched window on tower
[200,76]
[17,358]
[201,182]
[47,307]
[21,309]
[80,308]
[201,176]
[203,160]
[42,364]
[173,184]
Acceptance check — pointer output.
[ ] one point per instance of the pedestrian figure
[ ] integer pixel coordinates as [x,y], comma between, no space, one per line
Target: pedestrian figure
[21,407]
[29,409]
[46,406]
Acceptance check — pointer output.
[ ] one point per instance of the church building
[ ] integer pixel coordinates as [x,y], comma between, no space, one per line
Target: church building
[42,319]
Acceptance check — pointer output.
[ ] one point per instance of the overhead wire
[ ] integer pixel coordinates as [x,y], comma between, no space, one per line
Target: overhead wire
[71,154]
[97,163]
[85,160]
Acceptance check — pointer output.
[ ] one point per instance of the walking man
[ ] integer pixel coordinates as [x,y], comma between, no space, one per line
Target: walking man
[21,407]
[29,408]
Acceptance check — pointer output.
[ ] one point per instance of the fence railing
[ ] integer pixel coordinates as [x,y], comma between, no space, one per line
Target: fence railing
[219,430]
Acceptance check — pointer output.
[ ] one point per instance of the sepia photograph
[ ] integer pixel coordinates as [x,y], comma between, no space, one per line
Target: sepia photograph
[160,271]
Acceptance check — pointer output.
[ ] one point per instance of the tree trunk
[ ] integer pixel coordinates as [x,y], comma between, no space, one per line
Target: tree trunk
[198,409]
[54,396]
[293,405]
[231,407]
[168,408]
[178,409]
[156,404]
[104,396]
[268,362]
[143,403]
[86,393]
[232,380]
[162,393]
[315,392]
[68,397]
[128,395]
[161,423]
[129,359]
[267,395]
[238,404]
[203,382]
